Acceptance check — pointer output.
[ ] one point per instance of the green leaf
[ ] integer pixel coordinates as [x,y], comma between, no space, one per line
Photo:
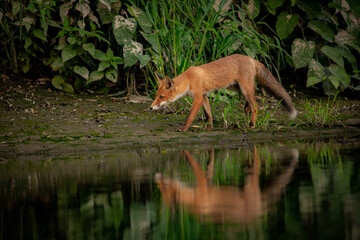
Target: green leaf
[285,24]
[99,55]
[310,7]
[323,29]
[71,40]
[123,29]
[312,81]
[57,64]
[253,8]
[302,52]
[315,74]
[355,7]
[67,87]
[274,4]
[144,60]
[151,38]
[328,87]
[39,34]
[132,49]
[67,54]
[89,47]
[142,18]
[103,65]
[109,53]
[95,76]
[112,75]
[335,81]
[15,7]
[333,54]
[82,71]
[28,42]
[340,74]
[348,56]
[57,82]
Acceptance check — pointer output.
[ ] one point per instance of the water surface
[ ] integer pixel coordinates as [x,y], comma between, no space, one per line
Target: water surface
[294,191]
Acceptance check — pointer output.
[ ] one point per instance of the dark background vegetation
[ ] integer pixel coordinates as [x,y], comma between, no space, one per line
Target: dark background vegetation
[114,47]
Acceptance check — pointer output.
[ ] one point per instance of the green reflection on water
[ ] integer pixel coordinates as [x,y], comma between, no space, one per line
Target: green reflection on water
[262,192]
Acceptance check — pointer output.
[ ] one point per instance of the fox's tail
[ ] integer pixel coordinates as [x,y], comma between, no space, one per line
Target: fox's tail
[268,81]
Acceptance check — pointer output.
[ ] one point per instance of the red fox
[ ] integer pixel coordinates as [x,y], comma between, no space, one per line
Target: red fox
[226,203]
[235,72]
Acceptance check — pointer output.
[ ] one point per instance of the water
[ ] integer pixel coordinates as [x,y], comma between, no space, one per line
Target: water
[297,191]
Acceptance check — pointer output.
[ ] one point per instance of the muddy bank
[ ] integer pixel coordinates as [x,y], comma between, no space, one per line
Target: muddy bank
[36,120]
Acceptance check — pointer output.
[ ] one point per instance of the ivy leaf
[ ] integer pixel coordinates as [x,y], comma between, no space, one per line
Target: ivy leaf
[112,75]
[302,52]
[133,51]
[285,24]
[82,71]
[333,54]
[67,54]
[71,40]
[95,76]
[57,82]
[323,29]
[123,29]
[311,81]
[142,18]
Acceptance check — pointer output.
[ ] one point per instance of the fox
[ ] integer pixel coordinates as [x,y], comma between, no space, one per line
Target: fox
[235,72]
[226,203]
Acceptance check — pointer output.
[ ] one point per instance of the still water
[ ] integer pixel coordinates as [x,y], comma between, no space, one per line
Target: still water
[294,191]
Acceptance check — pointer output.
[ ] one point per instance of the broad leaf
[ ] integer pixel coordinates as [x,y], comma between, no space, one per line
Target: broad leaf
[333,54]
[95,76]
[67,87]
[99,55]
[84,8]
[315,73]
[302,52]
[40,34]
[311,81]
[57,82]
[323,29]
[89,47]
[253,7]
[142,18]
[348,56]
[57,64]
[123,29]
[71,40]
[335,81]
[67,54]
[285,24]
[328,87]
[273,4]
[103,65]
[144,60]
[340,74]
[82,71]
[310,7]
[151,38]
[112,75]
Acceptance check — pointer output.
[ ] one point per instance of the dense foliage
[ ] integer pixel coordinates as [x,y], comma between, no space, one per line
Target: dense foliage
[80,44]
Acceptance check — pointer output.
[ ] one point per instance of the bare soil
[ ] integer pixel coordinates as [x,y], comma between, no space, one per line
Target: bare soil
[35,119]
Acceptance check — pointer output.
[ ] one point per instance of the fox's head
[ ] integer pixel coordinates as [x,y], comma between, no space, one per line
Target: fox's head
[165,94]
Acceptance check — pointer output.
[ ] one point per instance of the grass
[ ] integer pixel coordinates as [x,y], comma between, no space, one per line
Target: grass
[320,114]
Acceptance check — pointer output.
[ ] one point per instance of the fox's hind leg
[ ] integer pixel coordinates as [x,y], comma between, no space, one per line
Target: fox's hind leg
[248,90]
[207,110]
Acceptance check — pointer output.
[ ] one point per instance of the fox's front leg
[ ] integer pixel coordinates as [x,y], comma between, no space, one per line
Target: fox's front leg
[197,102]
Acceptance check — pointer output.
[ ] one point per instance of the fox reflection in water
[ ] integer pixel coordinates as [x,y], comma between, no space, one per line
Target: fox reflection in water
[226,203]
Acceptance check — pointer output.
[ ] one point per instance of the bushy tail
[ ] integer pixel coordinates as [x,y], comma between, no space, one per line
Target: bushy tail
[268,81]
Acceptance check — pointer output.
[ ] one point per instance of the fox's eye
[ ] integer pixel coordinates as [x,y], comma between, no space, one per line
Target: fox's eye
[161,97]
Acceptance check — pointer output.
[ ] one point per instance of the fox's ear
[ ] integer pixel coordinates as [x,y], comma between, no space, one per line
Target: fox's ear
[169,83]
[159,77]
